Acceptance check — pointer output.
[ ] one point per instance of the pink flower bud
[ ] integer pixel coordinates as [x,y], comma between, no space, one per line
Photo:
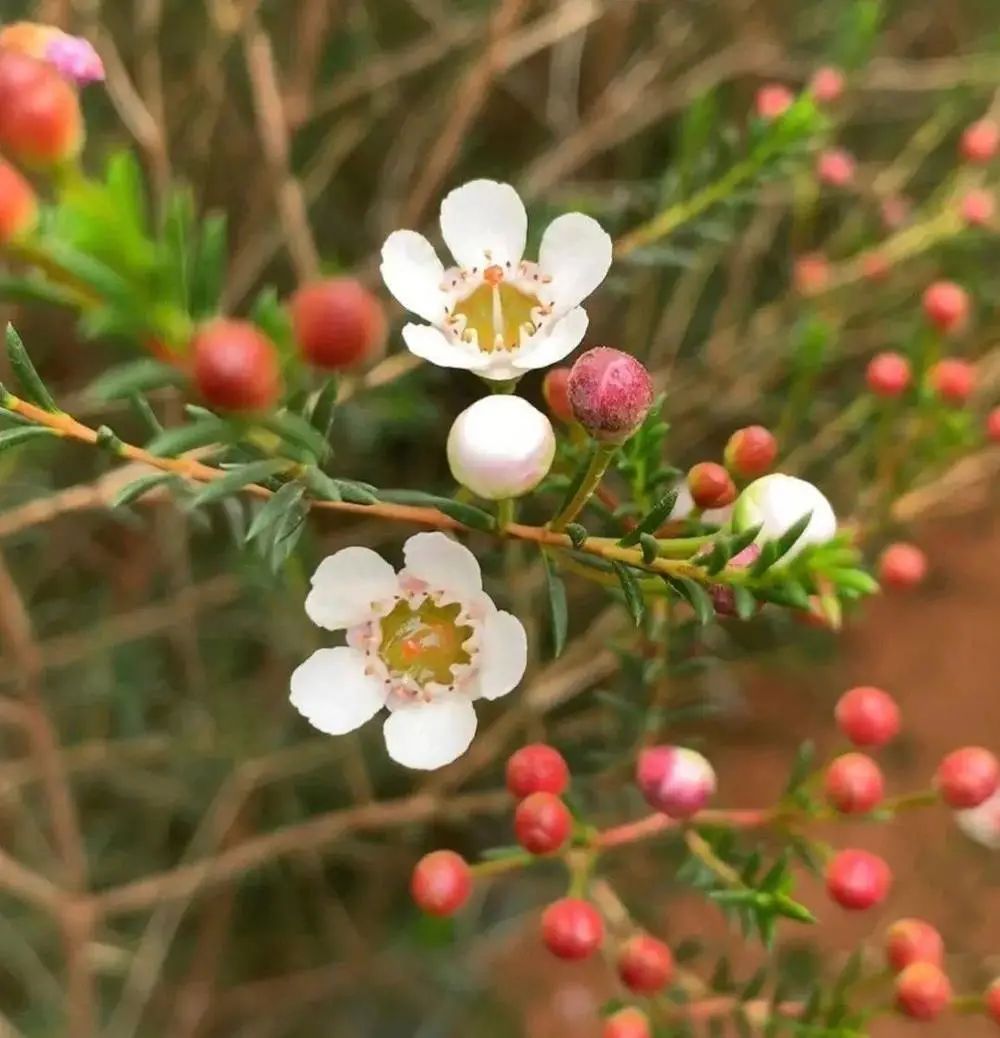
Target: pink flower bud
[968,777]
[677,781]
[711,485]
[751,451]
[953,380]
[827,85]
[857,880]
[978,208]
[980,142]
[773,100]
[555,389]
[895,211]
[946,306]
[811,274]
[888,374]
[18,205]
[902,566]
[836,167]
[923,992]
[875,267]
[610,393]
[993,425]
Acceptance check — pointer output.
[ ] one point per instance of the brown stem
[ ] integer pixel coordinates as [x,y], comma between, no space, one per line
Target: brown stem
[655,824]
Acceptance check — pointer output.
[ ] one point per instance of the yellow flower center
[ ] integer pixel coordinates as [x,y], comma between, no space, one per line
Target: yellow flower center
[496,313]
[424,643]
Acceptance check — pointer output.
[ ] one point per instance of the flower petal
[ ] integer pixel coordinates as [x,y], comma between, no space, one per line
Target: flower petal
[430,735]
[333,693]
[484,223]
[433,345]
[346,584]
[551,344]
[503,655]
[413,273]
[444,564]
[576,253]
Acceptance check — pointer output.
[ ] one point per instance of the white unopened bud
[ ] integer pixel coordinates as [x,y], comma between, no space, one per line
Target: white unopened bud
[501,447]
[982,823]
[777,502]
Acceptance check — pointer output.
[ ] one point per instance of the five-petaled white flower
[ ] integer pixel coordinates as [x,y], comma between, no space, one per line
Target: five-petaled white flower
[424,643]
[495,313]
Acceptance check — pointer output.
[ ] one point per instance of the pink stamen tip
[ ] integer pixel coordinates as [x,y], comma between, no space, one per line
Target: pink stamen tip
[75,59]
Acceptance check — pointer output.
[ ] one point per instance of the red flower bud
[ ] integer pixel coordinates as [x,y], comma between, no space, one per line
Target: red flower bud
[773,100]
[913,940]
[923,992]
[711,485]
[236,366]
[993,1001]
[858,880]
[677,781]
[537,768]
[572,928]
[645,965]
[888,374]
[40,120]
[967,777]
[953,380]
[751,451]
[853,784]
[627,1023]
[610,393]
[338,323]
[723,595]
[978,207]
[836,167]
[993,425]
[827,85]
[811,274]
[875,267]
[868,716]
[441,883]
[555,389]
[980,142]
[902,566]
[18,205]
[542,823]
[946,306]
[895,211]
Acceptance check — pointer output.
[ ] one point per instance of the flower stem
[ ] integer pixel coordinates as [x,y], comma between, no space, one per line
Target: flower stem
[498,866]
[599,461]
[505,512]
[654,824]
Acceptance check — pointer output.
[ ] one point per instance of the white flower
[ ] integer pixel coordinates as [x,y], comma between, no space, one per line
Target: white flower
[982,823]
[684,506]
[495,313]
[777,502]
[500,447]
[424,643]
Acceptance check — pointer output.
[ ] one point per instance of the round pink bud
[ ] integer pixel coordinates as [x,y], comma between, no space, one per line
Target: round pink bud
[501,446]
[836,167]
[773,100]
[912,940]
[555,389]
[902,566]
[858,880]
[711,485]
[811,274]
[946,306]
[895,211]
[627,1023]
[968,777]
[993,425]
[645,965]
[572,928]
[888,374]
[610,393]
[677,781]
[875,267]
[827,85]
[441,883]
[978,208]
[853,784]
[537,768]
[923,992]
[980,142]
[542,823]
[868,716]
[953,380]
[751,451]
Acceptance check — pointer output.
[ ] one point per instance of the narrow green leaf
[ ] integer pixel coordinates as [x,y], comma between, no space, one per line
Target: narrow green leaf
[294,429]
[139,487]
[209,267]
[650,548]
[854,580]
[31,384]
[34,290]
[742,540]
[461,512]
[655,518]
[754,986]
[323,486]
[183,438]
[767,558]
[139,376]
[23,434]
[634,601]
[323,411]
[236,479]
[715,561]
[802,767]
[787,540]
[791,909]
[142,408]
[358,493]
[557,605]
[744,601]
[287,498]
[696,596]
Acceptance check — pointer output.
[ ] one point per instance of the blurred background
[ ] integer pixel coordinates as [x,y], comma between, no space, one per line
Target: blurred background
[251,875]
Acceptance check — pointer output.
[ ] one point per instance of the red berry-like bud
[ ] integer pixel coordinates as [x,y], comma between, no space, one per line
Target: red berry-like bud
[40,120]
[441,883]
[677,781]
[912,940]
[953,380]
[723,595]
[572,928]
[338,323]
[555,389]
[857,880]
[868,716]
[18,205]
[542,823]
[980,142]
[827,85]
[923,992]
[811,274]
[875,267]
[537,768]
[993,425]
[236,366]
[895,211]
[967,777]
[645,965]
[610,393]
[902,566]
[835,167]
[888,374]
[946,306]
[993,1001]
[751,451]
[773,100]
[854,784]
[978,207]
[711,485]
[627,1023]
